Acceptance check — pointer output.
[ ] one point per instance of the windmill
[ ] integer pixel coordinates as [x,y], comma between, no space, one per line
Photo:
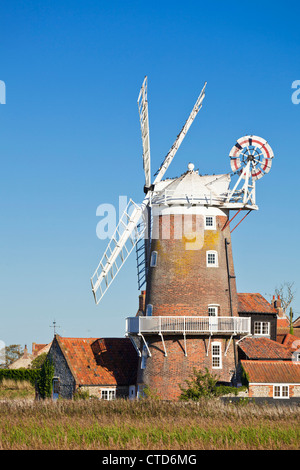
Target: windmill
[191,307]
[134,221]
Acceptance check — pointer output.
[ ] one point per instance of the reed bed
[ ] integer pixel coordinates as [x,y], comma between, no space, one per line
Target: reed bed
[147,425]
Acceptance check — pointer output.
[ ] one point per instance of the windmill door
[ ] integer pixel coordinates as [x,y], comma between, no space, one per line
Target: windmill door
[213,317]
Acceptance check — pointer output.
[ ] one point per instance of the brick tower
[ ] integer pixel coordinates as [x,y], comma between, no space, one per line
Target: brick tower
[190,317]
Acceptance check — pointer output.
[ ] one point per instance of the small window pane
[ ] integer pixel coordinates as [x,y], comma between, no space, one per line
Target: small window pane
[149,310]
[153,261]
[212,311]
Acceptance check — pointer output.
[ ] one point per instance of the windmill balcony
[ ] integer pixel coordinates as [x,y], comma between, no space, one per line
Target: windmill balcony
[188,325]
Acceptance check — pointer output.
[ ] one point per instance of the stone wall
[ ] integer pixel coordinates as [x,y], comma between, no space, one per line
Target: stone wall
[62,371]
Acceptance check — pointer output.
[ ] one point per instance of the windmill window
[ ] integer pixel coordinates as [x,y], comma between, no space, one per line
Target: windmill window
[211,259]
[210,222]
[144,357]
[212,310]
[149,310]
[153,261]
[216,355]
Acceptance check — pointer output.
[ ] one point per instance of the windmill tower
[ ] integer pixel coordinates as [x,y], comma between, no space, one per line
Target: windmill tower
[182,235]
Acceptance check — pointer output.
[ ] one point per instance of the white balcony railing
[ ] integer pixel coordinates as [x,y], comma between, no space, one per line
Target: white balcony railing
[188,325]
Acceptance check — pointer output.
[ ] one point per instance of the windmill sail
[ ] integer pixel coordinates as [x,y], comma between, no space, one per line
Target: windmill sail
[129,231]
[135,222]
[144,121]
[168,159]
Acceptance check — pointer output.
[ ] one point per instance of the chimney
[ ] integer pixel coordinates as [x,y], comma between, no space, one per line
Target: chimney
[142,299]
[277,305]
[25,354]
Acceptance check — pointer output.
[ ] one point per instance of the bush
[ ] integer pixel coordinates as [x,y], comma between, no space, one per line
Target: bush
[44,381]
[20,375]
[204,384]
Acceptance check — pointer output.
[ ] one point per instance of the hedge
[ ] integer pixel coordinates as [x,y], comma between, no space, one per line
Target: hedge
[30,375]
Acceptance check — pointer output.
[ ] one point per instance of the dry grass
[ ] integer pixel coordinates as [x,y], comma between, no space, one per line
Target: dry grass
[16,389]
[147,425]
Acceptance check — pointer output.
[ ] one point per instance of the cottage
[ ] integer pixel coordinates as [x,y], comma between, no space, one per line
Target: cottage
[26,359]
[263,315]
[105,367]
[273,380]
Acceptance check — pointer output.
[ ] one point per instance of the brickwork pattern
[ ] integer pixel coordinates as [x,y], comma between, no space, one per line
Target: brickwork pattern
[163,374]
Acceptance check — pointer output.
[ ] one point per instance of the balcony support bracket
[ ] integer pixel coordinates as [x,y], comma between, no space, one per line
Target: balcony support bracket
[227,347]
[208,346]
[145,342]
[163,342]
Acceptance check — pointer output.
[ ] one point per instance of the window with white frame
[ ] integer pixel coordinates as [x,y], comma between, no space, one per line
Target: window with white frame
[216,354]
[281,391]
[213,310]
[212,259]
[149,310]
[144,357]
[210,222]
[108,394]
[153,260]
[262,328]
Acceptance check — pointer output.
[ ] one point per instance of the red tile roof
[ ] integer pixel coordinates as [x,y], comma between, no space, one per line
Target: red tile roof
[105,361]
[254,303]
[272,371]
[285,331]
[291,341]
[264,348]
[296,323]
[283,322]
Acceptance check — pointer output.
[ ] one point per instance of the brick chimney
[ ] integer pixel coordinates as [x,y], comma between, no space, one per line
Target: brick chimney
[25,354]
[142,298]
[277,305]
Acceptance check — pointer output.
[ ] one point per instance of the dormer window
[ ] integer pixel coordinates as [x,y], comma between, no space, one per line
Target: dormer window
[262,328]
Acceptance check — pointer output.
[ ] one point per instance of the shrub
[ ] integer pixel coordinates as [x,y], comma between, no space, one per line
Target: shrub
[44,381]
[204,384]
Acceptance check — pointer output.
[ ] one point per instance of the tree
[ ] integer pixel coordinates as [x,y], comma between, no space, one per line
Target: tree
[286,293]
[11,354]
[291,321]
[38,362]
[201,384]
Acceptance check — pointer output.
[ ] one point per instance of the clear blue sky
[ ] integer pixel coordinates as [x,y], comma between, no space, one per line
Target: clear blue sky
[70,140]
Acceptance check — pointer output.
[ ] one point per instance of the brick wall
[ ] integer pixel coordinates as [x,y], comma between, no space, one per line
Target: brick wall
[181,284]
[163,374]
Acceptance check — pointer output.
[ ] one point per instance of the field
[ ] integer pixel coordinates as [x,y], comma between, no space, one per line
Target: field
[146,425]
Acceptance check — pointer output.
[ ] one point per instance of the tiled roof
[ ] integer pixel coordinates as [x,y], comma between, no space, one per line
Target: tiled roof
[291,341]
[272,371]
[296,323]
[254,303]
[285,331]
[264,348]
[104,361]
[283,322]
